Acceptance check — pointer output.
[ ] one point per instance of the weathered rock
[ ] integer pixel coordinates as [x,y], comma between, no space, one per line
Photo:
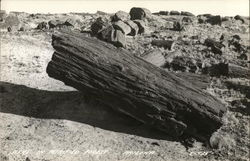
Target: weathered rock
[201,20]
[187,20]
[154,57]
[70,22]
[118,38]
[174,13]
[9,29]
[98,25]
[205,15]
[113,36]
[55,23]
[134,28]
[214,20]
[42,25]
[178,26]
[21,29]
[139,13]
[167,44]
[121,15]
[228,70]
[184,64]
[106,33]
[216,47]
[164,13]
[120,25]
[142,26]
[184,13]
[238,17]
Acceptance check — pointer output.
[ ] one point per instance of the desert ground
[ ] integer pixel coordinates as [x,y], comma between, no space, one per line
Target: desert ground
[42,119]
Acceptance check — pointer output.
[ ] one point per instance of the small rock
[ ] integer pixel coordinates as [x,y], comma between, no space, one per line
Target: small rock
[98,25]
[174,13]
[142,26]
[134,28]
[167,44]
[184,13]
[120,25]
[121,15]
[70,22]
[154,57]
[55,23]
[21,29]
[42,25]
[9,29]
[214,20]
[140,13]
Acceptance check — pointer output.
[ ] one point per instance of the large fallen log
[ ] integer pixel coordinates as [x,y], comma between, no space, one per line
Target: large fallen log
[133,86]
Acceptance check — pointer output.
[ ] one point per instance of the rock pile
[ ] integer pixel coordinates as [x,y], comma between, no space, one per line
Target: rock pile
[121,24]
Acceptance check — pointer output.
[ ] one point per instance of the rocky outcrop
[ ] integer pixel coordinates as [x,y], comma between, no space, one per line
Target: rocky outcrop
[140,13]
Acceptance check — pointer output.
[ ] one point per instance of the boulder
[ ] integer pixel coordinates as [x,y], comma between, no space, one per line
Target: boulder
[215,46]
[118,38]
[174,13]
[55,23]
[134,27]
[140,13]
[42,25]
[214,20]
[142,26]
[111,35]
[98,25]
[164,13]
[106,33]
[187,19]
[184,13]
[238,17]
[178,26]
[154,57]
[121,15]
[120,25]
[70,22]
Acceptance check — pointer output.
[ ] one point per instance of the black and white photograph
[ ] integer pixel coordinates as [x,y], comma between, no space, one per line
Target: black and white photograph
[124,80]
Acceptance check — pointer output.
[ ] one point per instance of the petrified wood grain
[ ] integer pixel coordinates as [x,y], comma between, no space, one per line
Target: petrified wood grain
[133,86]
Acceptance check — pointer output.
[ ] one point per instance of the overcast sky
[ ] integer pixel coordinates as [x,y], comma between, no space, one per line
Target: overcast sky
[222,7]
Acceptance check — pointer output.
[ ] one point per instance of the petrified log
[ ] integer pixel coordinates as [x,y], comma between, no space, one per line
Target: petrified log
[131,85]
[228,70]
[167,44]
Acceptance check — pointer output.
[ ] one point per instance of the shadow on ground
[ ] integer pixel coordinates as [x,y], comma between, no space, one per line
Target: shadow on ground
[25,101]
